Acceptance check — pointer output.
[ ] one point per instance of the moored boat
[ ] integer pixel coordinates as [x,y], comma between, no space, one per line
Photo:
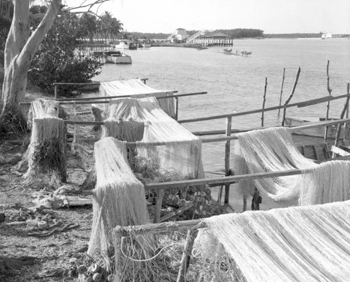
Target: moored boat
[117,57]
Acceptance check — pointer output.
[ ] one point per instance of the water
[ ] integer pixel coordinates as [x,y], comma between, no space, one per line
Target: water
[237,83]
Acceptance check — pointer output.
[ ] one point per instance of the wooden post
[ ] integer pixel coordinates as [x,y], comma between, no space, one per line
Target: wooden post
[328,104]
[347,125]
[339,126]
[263,105]
[186,255]
[280,102]
[117,247]
[176,108]
[227,158]
[159,201]
[290,96]
[56,91]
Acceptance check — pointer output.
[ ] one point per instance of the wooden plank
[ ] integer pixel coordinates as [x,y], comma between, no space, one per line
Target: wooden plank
[253,111]
[163,227]
[339,151]
[315,101]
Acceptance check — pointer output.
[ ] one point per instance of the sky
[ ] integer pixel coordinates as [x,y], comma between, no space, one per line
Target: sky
[272,16]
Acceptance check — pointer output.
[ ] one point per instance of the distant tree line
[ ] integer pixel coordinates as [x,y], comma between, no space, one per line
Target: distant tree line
[140,35]
[294,35]
[242,32]
[232,33]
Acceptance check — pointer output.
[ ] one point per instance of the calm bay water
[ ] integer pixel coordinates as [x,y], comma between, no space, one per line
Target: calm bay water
[237,83]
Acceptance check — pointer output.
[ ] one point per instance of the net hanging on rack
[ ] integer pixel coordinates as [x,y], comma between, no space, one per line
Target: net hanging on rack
[137,89]
[309,243]
[271,150]
[119,198]
[176,148]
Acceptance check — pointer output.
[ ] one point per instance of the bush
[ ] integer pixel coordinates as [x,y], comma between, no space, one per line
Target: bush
[57,59]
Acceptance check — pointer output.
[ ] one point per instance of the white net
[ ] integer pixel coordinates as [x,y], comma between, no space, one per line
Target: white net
[272,150]
[47,149]
[167,144]
[328,182]
[137,89]
[119,198]
[292,244]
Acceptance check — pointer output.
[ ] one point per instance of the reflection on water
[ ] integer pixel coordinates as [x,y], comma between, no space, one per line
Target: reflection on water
[237,83]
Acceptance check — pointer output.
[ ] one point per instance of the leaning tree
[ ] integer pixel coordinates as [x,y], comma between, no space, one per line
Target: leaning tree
[20,47]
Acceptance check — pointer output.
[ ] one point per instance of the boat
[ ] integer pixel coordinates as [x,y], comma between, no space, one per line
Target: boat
[132,46]
[117,57]
[145,46]
[227,50]
[326,35]
[120,45]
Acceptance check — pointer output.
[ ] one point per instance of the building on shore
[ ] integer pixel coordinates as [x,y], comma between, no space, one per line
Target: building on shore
[212,39]
[179,35]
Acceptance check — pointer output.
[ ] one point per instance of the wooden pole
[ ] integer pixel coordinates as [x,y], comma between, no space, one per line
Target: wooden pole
[292,129]
[158,208]
[176,108]
[339,126]
[328,104]
[281,93]
[347,125]
[186,255]
[109,97]
[227,158]
[55,91]
[290,96]
[263,105]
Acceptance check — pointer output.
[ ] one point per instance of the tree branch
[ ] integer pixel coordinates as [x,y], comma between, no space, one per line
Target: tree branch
[96,2]
[38,35]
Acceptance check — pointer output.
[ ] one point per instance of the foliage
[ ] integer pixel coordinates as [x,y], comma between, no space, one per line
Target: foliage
[242,32]
[88,26]
[57,59]
[6,12]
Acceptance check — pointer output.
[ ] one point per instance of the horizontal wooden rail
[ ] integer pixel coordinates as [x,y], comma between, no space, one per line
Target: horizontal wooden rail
[224,138]
[82,102]
[296,128]
[113,97]
[160,227]
[86,83]
[211,181]
[301,104]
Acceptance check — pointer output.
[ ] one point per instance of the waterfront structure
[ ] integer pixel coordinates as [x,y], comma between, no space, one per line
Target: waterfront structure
[180,35]
[212,39]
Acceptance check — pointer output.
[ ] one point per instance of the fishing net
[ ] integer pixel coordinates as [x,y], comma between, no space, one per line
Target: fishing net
[137,89]
[47,149]
[309,243]
[326,183]
[41,108]
[165,144]
[272,150]
[164,151]
[119,198]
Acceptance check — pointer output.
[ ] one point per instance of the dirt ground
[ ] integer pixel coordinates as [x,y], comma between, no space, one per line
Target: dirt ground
[39,243]
[25,255]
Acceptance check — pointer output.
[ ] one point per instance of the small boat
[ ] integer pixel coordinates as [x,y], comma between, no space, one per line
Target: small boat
[317,132]
[227,50]
[145,46]
[326,35]
[117,57]
[132,46]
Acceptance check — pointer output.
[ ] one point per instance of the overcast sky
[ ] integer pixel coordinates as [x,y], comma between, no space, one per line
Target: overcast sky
[272,16]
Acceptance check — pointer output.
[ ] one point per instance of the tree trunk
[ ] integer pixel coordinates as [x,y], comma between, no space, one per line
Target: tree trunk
[19,50]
